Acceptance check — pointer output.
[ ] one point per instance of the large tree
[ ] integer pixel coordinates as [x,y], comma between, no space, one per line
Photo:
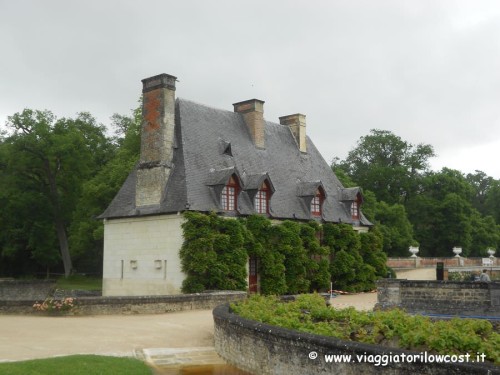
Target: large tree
[444,216]
[85,232]
[44,162]
[384,163]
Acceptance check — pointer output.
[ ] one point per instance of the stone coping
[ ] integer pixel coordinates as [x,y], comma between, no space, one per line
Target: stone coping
[97,305]
[284,351]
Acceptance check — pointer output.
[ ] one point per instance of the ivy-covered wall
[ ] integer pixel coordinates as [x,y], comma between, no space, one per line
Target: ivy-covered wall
[293,257]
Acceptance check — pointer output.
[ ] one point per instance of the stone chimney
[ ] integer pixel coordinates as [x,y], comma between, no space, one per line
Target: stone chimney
[297,125]
[157,139]
[253,114]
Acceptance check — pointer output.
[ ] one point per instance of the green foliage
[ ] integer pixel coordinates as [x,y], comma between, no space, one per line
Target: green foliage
[287,241]
[317,257]
[291,259]
[409,204]
[77,365]
[393,328]
[212,255]
[85,232]
[395,228]
[387,165]
[271,263]
[372,252]
[44,163]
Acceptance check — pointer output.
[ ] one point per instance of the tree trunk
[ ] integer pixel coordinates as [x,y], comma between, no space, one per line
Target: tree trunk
[58,221]
[63,245]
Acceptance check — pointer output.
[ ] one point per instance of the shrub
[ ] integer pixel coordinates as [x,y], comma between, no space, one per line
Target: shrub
[394,328]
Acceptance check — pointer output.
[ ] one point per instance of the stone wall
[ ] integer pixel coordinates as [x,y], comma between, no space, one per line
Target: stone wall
[133,305]
[141,256]
[461,298]
[418,262]
[19,290]
[268,350]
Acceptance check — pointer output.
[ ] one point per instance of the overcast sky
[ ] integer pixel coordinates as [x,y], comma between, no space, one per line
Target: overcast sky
[429,71]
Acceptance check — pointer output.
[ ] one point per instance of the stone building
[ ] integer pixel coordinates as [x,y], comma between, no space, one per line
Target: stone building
[198,158]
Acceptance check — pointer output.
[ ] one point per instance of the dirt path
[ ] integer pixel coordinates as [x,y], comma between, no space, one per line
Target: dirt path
[27,337]
[417,274]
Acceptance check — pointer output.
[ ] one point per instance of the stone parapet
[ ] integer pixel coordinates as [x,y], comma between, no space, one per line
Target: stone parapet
[134,305]
[269,350]
[461,298]
[19,290]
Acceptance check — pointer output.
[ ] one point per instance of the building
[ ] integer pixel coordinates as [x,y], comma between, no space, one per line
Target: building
[195,157]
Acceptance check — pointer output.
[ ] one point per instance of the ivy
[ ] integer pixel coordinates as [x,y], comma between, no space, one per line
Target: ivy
[291,257]
[212,255]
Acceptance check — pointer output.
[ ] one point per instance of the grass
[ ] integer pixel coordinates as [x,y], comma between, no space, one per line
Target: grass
[79,282]
[77,365]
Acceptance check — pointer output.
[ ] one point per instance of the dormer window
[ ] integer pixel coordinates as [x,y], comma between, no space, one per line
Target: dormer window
[229,195]
[355,210]
[317,203]
[355,205]
[261,200]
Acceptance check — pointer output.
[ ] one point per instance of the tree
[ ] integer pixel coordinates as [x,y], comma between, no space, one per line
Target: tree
[492,201]
[395,228]
[441,213]
[85,232]
[45,161]
[385,164]
[481,183]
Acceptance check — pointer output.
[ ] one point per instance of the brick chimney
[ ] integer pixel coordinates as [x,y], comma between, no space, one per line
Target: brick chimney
[157,138]
[297,125]
[253,114]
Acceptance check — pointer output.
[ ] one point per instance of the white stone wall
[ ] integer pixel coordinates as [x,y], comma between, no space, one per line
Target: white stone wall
[141,256]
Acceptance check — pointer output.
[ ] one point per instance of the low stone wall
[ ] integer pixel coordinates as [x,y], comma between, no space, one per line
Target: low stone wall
[423,262]
[268,350]
[461,298]
[20,290]
[133,305]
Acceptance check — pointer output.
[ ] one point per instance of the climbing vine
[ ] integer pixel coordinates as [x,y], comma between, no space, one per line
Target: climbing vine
[292,257]
[213,254]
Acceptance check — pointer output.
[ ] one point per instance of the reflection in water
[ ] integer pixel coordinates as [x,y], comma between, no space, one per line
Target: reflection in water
[202,370]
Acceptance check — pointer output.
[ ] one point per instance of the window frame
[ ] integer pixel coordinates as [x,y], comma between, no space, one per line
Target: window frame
[262,198]
[229,194]
[316,206]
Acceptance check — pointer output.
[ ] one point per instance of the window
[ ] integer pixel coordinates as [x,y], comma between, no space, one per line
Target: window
[229,196]
[317,202]
[261,201]
[355,210]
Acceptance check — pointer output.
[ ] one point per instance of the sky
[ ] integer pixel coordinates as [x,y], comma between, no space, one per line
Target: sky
[428,71]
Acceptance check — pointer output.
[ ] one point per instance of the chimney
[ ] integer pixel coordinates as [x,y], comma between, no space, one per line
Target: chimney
[253,114]
[157,138]
[297,125]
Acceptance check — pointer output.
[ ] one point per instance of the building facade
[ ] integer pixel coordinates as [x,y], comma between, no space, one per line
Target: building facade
[198,158]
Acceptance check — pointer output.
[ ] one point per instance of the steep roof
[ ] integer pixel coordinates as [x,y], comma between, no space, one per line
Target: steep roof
[212,145]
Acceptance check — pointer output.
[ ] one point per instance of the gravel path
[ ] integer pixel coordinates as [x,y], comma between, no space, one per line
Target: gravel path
[28,337]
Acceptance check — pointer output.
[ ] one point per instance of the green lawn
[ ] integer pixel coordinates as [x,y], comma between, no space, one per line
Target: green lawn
[79,282]
[77,365]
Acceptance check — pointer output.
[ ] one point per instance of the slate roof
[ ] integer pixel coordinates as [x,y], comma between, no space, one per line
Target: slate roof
[213,144]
